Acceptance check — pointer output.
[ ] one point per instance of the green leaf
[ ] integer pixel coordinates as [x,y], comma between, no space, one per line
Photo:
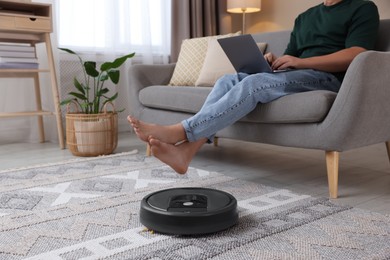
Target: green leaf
[84,107]
[72,52]
[66,101]
[68,51]
[102,92]
[106,66]
[113,97]
[90,69]
[114,76]
[119,61]
[79,87]
[78,95]
[103,76]
[116,63]
[91,63]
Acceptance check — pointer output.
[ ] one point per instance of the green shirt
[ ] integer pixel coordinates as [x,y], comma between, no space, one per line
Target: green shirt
[324,29]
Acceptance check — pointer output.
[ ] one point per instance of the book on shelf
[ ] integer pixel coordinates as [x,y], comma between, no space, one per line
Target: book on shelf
[18,60]
[18,65]
[17,54]
[17,47]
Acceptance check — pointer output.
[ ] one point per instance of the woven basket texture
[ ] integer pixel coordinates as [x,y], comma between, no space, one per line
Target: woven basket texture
[92,134]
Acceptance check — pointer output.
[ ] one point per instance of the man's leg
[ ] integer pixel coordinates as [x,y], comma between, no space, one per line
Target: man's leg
[241,99]
[173,134]
[222,87]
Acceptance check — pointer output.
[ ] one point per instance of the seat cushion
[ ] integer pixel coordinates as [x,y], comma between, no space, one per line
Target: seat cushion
[306,107]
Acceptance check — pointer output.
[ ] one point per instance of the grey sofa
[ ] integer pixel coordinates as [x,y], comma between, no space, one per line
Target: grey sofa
[359,115]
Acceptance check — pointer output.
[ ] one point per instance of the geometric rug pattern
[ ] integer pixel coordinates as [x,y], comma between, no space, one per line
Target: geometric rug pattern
[89,209]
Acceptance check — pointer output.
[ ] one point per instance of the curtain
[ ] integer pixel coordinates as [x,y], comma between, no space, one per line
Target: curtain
[194,18]
[116,26]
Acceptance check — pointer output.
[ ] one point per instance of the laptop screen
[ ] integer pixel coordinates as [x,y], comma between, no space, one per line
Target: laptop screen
[244,54]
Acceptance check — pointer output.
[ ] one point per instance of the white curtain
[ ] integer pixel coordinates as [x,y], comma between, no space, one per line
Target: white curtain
[101,30]
[116,26]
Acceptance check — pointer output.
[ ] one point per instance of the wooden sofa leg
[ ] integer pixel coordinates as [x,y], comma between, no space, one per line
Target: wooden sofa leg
[332,165]
[215,141]
[388,149]
[148,150]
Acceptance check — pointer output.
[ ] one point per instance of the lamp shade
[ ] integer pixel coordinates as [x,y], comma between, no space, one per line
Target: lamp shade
[241,6]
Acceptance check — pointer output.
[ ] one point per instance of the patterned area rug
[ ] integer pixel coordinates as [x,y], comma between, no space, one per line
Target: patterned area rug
[89,209]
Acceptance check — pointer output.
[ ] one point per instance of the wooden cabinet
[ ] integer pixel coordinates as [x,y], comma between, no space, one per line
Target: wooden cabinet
[31,23]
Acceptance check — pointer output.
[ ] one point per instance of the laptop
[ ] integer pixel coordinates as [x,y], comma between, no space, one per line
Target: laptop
[244,54]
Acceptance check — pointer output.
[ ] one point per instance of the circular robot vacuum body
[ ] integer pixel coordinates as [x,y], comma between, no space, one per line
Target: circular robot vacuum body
[188,211]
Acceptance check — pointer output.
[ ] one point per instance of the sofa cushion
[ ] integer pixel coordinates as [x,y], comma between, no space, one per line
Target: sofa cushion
[176,98]
[191,58]
[306,107]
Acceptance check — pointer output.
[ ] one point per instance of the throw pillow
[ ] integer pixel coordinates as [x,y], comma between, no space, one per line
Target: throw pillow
[190,60]
[217,64]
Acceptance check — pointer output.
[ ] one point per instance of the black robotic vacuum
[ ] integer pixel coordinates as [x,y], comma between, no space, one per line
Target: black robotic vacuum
[188,211]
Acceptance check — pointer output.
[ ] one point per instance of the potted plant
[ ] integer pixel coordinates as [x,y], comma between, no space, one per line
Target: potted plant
[91,129]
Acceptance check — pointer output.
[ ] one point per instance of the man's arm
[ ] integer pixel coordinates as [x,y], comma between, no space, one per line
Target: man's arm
[335,62]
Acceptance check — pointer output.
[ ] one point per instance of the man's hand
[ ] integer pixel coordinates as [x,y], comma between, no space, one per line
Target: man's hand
[270,58]
[285,62]
[335,62]
[281,63]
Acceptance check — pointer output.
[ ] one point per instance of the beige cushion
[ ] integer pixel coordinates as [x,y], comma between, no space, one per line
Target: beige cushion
[191,58]
[217,64]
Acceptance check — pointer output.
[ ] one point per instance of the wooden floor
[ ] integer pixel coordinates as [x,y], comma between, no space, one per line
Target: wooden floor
[364,180]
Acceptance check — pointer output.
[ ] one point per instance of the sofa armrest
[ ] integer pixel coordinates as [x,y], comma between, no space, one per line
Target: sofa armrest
[360,115]
[141,76]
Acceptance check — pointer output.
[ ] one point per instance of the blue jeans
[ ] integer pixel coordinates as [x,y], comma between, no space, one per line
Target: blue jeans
[234,96]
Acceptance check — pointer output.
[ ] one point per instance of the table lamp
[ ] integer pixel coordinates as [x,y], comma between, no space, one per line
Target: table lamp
[244,7]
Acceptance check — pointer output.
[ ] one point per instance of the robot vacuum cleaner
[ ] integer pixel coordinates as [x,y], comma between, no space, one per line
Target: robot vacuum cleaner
[188,211]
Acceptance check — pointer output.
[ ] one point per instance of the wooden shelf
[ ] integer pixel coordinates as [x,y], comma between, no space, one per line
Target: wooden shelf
[26,17]
[21,73]
[26,114]
[31,23]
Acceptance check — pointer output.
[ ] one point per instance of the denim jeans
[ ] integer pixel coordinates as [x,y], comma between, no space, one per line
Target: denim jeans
[234,96]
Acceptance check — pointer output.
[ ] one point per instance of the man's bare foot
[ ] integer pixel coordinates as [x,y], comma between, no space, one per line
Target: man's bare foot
[170,134]
[178,157]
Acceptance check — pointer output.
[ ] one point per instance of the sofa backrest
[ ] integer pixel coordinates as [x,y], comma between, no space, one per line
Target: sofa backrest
[383,41]
[277,41]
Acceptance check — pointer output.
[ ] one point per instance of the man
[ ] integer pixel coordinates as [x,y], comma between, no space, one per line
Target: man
[324,41]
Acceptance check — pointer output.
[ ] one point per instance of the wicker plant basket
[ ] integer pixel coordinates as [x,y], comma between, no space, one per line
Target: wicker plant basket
[91,134]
